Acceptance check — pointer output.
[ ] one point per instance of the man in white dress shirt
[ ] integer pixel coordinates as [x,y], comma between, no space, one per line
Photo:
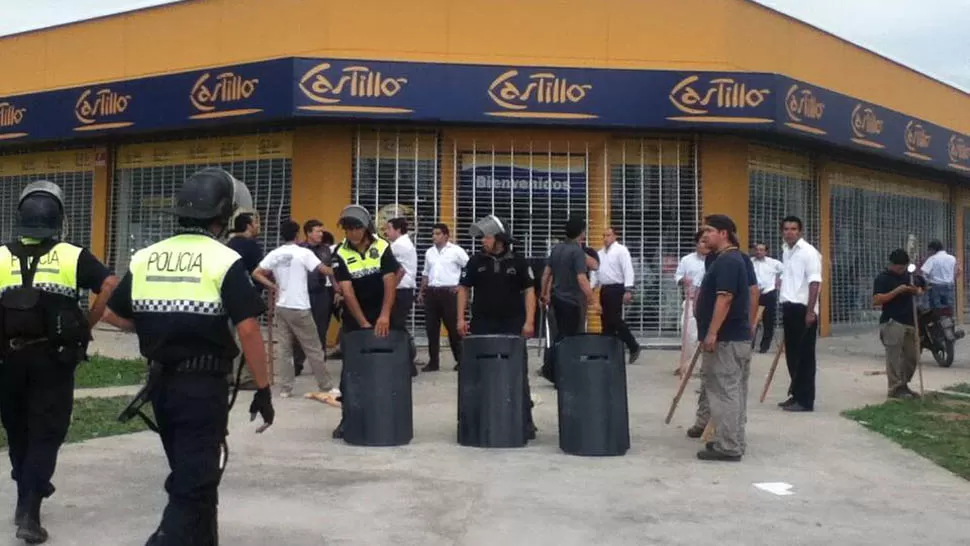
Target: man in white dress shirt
[443,263]
[690,275]
[941,271]
[403,249]
[768,270]
[615,277]
[801,280]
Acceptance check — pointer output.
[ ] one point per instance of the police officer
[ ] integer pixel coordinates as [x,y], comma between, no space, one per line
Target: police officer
[180,295]
[44,336]
[367,272]
[505,300]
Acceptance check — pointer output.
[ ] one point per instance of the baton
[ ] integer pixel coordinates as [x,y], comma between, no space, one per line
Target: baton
[683,384]
[771,371]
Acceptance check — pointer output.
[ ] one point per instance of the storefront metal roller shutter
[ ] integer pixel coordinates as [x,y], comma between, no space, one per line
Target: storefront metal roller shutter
[148,175]
[780,183]
[655,200]
[72,170]
[874,213]
[396,173]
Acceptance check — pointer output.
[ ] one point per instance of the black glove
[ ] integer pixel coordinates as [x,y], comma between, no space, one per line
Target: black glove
[263,405]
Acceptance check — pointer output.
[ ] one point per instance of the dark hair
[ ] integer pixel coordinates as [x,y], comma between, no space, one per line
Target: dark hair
[401,224]
[328,238]
[242,222]
[899,257]
[756,245]
[289,230]
[443,228]
[697,236]
[793,220]
[723,222]
[615,230]
[310,224]
[575,227]
[935,245]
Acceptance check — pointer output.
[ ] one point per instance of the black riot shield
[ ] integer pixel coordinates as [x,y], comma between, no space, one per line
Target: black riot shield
[376,404]
[592,397]
[492,400]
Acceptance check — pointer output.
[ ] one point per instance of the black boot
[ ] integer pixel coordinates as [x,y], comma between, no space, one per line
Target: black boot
[30,530]
[21,512]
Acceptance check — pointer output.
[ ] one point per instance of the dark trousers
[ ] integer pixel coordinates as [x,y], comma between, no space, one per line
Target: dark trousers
[569,318]
[441,305]
[400,314]
[192,415]
[508,326]
[320,304]
[800,353]
[611,300]
[36,398]
[569,322]
[770,302]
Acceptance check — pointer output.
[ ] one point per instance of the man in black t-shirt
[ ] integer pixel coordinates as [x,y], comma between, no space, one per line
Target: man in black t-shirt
[893,291]
[243,239]
[724,325]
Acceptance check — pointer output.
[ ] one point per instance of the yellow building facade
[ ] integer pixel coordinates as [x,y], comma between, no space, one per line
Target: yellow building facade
[642,115]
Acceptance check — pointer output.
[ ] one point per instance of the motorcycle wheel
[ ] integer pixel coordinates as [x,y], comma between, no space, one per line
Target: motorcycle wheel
[944,356]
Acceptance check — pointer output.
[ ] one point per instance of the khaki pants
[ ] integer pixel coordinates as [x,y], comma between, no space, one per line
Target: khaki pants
[901,354]
[724,394]
[298,324]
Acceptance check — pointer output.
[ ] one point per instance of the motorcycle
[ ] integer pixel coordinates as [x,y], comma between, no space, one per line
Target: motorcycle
[938,334]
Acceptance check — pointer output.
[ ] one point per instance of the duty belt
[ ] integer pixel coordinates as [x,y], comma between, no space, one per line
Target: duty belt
[207,364]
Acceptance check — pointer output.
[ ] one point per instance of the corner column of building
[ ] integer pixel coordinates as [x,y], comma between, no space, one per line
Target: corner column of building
[825,246]
[322,178]
[101,190]
[724,180]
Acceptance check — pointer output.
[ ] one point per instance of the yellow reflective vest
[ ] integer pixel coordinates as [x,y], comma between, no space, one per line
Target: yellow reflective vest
[361,266]
[182,274]
[56,272]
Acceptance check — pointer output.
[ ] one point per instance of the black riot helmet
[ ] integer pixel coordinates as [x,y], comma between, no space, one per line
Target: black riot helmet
[211,194]
[40,211]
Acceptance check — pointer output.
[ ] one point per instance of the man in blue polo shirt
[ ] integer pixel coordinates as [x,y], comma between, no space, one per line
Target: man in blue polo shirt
[724,325]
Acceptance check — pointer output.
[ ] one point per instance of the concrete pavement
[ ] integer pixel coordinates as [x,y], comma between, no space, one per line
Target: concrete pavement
[295,486]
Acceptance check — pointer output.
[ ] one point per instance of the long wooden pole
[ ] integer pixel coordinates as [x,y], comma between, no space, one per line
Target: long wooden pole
[919,361]
[771,372]
[271,352]
[684,378]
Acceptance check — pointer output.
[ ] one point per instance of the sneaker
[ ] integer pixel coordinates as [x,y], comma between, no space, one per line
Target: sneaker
[795,407]
[790,401]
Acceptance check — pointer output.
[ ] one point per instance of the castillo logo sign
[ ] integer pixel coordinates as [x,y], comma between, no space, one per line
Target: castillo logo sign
[225,90]
[352,84]
[533,95]
[101,109]
[720,100]
[866,123]
[959,151]
[917,141]
[802,108]
[11,118]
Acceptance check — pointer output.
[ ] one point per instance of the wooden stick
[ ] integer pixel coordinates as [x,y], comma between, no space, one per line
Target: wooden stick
[771,372]
[684,378]
[688,310]
[919,361]
[708,433]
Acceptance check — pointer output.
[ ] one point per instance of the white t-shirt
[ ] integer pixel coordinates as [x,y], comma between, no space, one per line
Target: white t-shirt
[940,268]
[290,265]
[692,267]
